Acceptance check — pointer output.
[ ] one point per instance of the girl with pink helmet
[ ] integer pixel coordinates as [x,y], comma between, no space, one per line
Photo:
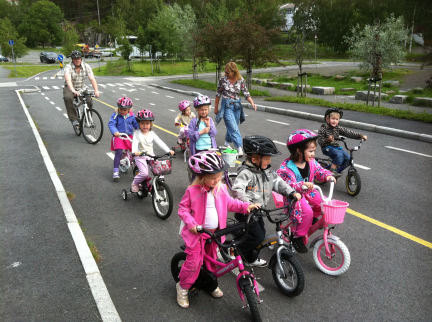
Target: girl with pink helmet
[121,121]
[205,203]
[183,119]
[143,140]
[299,170]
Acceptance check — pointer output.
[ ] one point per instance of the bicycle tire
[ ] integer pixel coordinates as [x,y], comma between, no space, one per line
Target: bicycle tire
[353,183]
[125,165]
[293,283]
[176,264]
[248,291]
[77,129]
[340,261]
[162,200]
[93,131]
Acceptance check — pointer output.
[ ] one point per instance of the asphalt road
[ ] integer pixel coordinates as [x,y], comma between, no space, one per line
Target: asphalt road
[389,278]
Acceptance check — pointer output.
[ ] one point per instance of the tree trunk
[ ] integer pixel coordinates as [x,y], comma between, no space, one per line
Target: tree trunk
[305,87]
[249,78]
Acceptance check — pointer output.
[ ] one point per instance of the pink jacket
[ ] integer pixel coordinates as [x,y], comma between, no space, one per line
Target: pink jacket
[192,209]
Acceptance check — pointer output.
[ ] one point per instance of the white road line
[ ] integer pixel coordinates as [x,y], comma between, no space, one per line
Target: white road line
[43,94]
[65,115]
[155,93]
[172,110]
[143,89]
[118,84]
[47,98]
[44,77]
[109,84]
[169,96]
[45,87]
[58,108]
[53,77]
[102,85]
[111,155]
[361,166]
[277,122]
[136,99]
[56,87]
[52,103]
[152,104]
[36,78]
[281,143]
[403,150]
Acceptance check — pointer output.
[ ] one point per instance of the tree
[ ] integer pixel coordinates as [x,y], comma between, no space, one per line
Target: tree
[70,38]
[141,41]
[42,24]
[8,32]
[125,50]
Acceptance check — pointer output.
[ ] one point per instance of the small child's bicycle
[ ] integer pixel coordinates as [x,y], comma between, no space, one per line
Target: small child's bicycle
[184,145]
[162,199]
[127,160]
[286,270]
[207,280]
[330,254]
[352,182]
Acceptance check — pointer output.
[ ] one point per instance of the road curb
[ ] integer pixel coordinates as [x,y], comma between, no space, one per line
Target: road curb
[319,118]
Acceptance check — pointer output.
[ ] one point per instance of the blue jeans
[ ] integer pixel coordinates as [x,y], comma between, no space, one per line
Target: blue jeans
[232,121]
[338,155]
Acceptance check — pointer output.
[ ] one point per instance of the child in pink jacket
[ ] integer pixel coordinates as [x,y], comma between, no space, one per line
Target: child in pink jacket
[205,203]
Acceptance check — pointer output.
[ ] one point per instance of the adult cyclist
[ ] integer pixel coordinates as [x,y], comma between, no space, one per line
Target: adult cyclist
[75,74]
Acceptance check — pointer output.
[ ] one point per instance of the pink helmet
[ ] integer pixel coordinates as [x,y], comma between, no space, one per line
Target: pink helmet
[207,162]
[124,102]
[183,105]
[299,137]
[145,115]
[201,100]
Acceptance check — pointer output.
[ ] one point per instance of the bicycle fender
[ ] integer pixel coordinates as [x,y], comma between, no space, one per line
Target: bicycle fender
[246,277]
[332,237]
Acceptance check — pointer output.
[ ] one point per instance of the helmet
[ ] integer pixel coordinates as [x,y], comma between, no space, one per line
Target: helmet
[260,145]
[183,105]
[332,110]
[298,137]
[145,115]
[201,100]
[207,162]
[75,54]
[124,102]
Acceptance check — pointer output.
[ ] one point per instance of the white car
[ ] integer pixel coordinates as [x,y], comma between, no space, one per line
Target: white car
[105,52]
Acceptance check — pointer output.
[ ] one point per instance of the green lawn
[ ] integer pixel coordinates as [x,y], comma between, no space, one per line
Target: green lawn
[28,71]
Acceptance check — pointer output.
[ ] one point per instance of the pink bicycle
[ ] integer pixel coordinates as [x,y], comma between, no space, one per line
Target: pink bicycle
[330,254]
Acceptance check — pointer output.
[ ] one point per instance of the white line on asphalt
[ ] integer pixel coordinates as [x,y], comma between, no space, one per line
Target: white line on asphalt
[44,77]
[43,94]
[56,87]
[65,115]
[169,96]
[52,103]
[136,99]
[281,143]
[47,98]
[109,84]
[171,110]
[118,84]
[58,108]
[155,93]
[53,77]
[102,85]
[423,155]
[277,122]
[36,78]
[111,155]
[152,104]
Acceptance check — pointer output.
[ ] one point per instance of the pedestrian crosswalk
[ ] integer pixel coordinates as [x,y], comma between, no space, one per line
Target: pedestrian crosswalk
[123,87]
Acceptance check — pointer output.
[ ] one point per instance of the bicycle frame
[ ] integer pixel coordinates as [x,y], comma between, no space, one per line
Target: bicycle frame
[351,152]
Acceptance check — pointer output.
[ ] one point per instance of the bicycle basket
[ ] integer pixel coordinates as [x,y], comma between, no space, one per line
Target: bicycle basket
[334,212]
[160,167]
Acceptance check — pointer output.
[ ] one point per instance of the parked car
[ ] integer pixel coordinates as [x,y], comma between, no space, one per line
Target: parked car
[106,52]
[48,57]
[3,59]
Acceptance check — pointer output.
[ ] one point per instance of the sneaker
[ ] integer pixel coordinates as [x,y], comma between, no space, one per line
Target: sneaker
[116,176]
[226,146]
[299,245]
[182,296]
[259,263]
[134,188]
[240,152]
[75,124]
[217,293]
[335,174]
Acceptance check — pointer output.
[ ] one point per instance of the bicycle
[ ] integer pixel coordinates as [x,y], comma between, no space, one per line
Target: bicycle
[353,181]
[207,280]
[89,120]
[185,145]
[330,254]
[127,160]
[162,199]
[286,270]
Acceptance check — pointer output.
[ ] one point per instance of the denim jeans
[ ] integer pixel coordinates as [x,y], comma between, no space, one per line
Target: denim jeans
[338,155]
[232,121]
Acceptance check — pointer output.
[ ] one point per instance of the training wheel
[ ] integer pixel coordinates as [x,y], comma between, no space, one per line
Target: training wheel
[124,194]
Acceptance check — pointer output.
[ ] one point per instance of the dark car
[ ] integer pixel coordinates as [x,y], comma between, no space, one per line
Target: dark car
[48,57]
[3,59]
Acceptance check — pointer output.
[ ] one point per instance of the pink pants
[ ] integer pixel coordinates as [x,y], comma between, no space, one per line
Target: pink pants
[143,170]
[310,206]
[194,259]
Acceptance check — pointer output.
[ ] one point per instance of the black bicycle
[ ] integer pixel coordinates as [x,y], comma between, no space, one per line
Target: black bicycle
[90,122]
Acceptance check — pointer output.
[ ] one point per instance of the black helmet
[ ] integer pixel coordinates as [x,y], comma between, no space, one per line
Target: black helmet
[75,54]
[331,110]
[257,144]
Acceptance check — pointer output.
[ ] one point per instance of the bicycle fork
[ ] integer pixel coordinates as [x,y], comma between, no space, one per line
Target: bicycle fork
[245,278]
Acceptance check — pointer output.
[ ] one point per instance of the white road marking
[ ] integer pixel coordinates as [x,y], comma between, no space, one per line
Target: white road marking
[36,78]
[58,108]
[102,85]
[169,96]
[44,78]
[111,155]
[361,166]
[52,103]
[56,87]
[112,85]
[155,93]
[408,151]
[171,110]
[45,87]
[136,99]
[277,122]
[65,115]
[153,104]
[47,98]
[118,84]
[53,77]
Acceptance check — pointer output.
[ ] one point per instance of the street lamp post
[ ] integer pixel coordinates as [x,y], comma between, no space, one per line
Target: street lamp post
[316,37]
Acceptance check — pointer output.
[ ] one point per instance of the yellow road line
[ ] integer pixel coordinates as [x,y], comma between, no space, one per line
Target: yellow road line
[393,229]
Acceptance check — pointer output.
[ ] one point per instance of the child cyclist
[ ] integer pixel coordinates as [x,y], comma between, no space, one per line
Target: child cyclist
[254,183]
[202,131]
[299,170]
[143,140]
[183,119]
[327,134]
[205,203]
[122,121]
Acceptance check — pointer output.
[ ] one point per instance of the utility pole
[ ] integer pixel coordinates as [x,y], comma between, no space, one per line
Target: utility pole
[412,30]
[97,2]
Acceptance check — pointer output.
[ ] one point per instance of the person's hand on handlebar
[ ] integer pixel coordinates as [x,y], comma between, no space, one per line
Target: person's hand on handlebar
[331,178]
[117,134]
[309,185]
[171,152]
[364,137]
[194,230]
[253,206]
[296,195]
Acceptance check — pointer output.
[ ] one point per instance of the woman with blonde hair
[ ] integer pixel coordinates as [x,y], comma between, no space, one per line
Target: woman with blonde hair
[231,111]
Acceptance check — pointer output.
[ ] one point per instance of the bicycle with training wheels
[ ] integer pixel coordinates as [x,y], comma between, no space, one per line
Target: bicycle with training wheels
[184,146]
[127,160]
[352,181]
[155,185]
[90,122]
[330,254]
[286,270]
[246,283]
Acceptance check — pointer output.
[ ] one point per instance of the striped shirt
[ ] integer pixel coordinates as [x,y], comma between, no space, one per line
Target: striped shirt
[326,130]
[78,78]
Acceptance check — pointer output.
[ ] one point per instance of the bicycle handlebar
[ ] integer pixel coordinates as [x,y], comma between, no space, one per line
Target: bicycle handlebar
[356,148]
[124,136]
[318,188]
[228,230]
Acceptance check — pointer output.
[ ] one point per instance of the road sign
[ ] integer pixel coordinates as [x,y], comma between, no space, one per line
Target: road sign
[11,42]
[60,57]
[61,65]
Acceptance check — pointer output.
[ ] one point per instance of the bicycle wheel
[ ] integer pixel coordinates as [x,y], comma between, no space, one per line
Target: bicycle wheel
[92,127]
[340,257]
[291,281]
[248,290]
[176,264]
[124,163]
[353,183]
[162,200]
[77,129]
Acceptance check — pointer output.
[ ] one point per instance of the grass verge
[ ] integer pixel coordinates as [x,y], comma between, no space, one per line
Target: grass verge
[29,71]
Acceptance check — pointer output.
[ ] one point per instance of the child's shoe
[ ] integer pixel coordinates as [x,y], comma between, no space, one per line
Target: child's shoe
[240,152]
[299,245]
[335,173]
[259,263]
[217,293]
[182,296]
[226,146]
[116,176]
[134,188]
